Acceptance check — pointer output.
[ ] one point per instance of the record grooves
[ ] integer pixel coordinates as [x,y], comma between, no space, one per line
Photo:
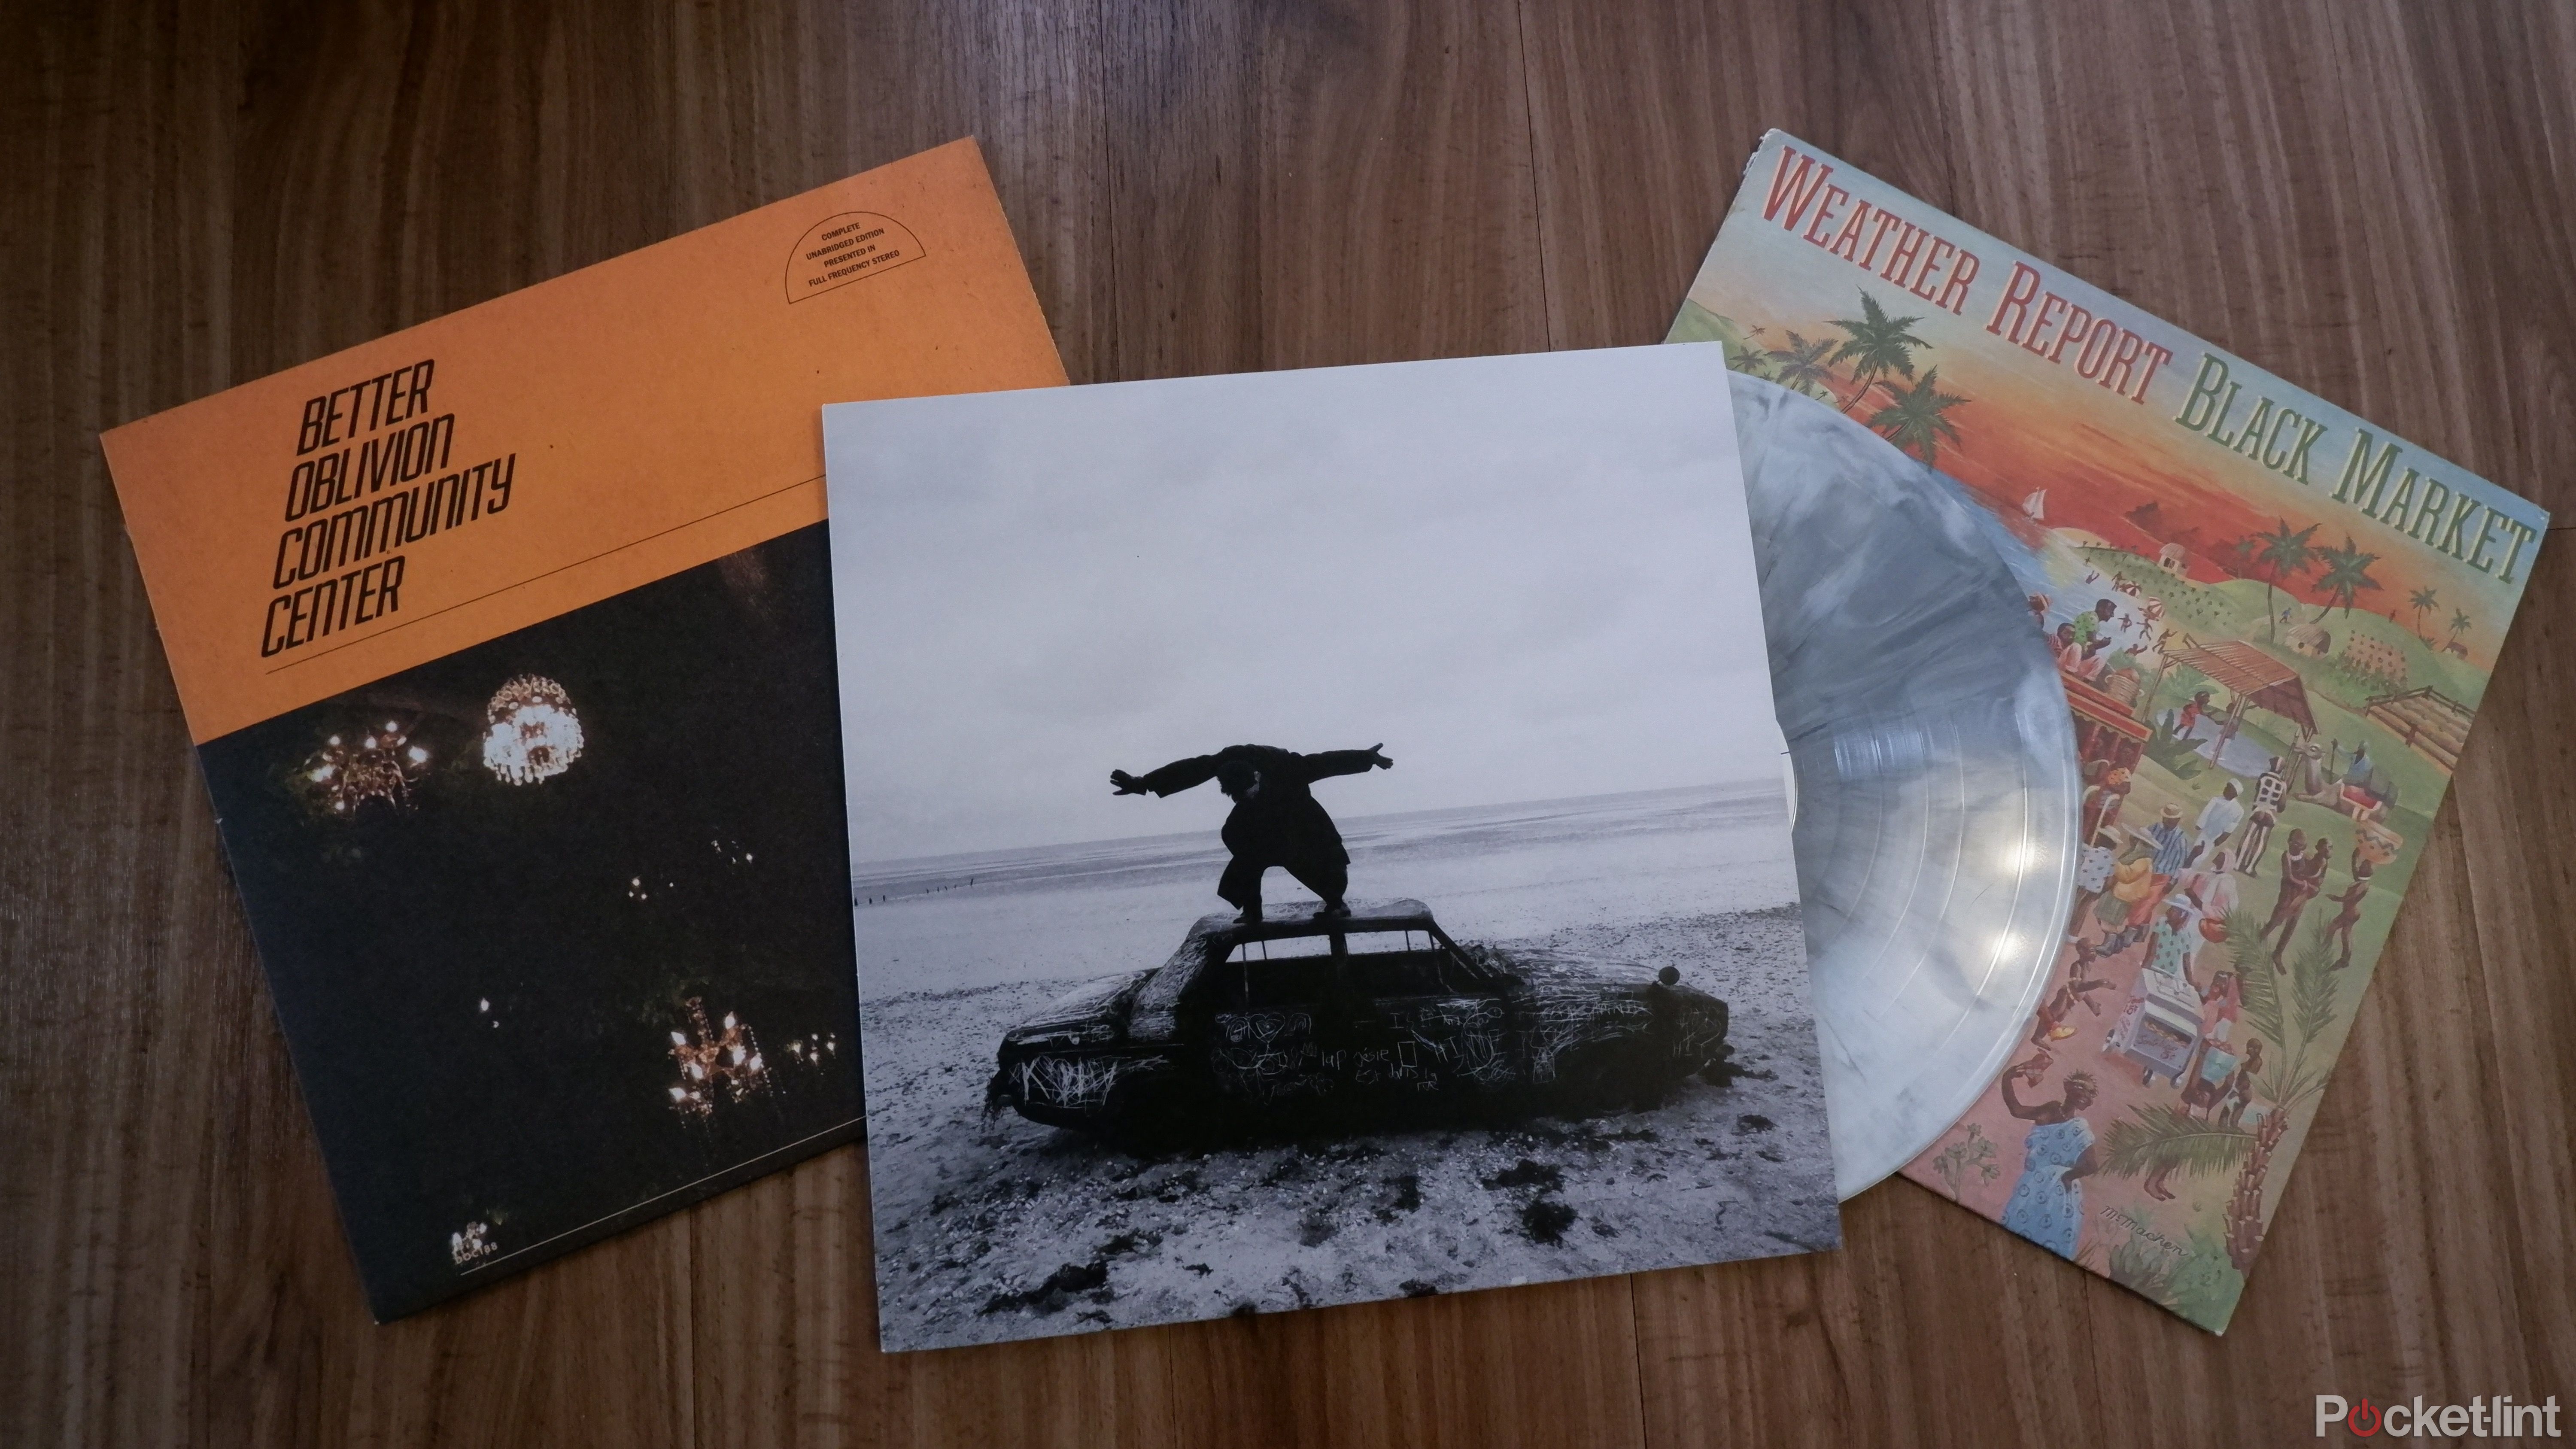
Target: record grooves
[1936,773]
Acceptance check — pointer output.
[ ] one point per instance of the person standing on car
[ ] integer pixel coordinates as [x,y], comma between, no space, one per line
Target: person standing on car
[1275,821]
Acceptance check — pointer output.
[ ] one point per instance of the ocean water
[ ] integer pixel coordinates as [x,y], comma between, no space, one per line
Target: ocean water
[1493,872]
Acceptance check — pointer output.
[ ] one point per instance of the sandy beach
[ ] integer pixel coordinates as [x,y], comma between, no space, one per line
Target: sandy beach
[992,1228]
[1002,1228]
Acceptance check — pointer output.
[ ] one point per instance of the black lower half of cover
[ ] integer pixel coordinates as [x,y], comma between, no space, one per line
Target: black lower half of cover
[558,925]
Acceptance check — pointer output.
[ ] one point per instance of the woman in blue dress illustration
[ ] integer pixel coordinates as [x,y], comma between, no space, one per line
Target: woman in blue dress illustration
[2047,1205]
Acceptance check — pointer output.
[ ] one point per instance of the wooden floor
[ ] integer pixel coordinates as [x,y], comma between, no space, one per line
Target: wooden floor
[2370,197]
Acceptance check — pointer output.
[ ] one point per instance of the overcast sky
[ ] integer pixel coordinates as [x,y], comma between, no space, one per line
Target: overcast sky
[1529,576]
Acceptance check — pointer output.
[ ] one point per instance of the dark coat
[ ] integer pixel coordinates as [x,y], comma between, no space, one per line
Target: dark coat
[1282,824]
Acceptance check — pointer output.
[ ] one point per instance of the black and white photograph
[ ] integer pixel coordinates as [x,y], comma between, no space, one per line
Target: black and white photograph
[1316,836]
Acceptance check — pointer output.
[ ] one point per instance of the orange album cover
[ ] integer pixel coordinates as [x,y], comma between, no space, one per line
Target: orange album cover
[506,643]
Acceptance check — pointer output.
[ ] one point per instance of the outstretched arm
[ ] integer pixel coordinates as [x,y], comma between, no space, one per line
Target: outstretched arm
[1173,778]
[1345,762]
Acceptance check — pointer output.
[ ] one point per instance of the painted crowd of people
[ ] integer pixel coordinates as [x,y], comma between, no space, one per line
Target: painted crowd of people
[2148,901]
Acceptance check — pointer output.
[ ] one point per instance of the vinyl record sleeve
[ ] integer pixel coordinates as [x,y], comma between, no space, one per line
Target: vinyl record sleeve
[1474,645]
[506,647]
[2274,625]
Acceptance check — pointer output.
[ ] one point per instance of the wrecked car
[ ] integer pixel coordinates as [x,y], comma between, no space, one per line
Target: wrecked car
[1364,1016]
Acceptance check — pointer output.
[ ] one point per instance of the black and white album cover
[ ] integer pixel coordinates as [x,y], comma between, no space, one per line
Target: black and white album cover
[1318,836]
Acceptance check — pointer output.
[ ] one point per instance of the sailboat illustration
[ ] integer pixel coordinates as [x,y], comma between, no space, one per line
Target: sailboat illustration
[2036,505]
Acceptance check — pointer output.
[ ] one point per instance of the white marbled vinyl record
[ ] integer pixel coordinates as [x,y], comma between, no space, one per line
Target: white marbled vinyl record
[1936,773]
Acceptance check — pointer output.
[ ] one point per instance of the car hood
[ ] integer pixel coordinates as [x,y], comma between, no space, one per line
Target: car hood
[1094,1003]
[1547,973]
[1543,969]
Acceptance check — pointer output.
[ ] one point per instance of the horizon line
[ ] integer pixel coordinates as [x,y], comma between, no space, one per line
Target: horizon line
[1752,783]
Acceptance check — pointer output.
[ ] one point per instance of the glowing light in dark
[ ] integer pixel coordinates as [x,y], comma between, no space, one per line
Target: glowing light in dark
[472,1243]
[716,1064]
[533,734]
[380,768]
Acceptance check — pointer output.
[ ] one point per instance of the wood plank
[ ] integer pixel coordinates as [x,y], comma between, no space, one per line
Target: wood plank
[2369,199]
[1310,186]
[2336,193]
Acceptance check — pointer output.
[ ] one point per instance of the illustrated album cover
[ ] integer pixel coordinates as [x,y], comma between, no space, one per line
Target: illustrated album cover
[1318,836]
[506,645]
[2274,623]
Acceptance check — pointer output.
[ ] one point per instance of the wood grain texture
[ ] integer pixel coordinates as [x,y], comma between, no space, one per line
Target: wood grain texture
[2372,199]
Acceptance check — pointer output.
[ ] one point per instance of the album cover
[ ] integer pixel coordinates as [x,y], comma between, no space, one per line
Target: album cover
[2274,623]
[506,645]
[1318,836]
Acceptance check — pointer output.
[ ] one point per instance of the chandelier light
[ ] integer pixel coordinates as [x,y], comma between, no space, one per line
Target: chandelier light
[533,733]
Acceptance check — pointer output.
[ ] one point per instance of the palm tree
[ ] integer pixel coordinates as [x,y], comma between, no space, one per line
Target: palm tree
[2459,624]
[1747,356]
[1800,366]
[2344,572]
[2284,553]
[2422,601]
[1914,421]
[2169,1139]
[2290,1079]
[1878,345]
[2292,1010]
[2245,1201]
